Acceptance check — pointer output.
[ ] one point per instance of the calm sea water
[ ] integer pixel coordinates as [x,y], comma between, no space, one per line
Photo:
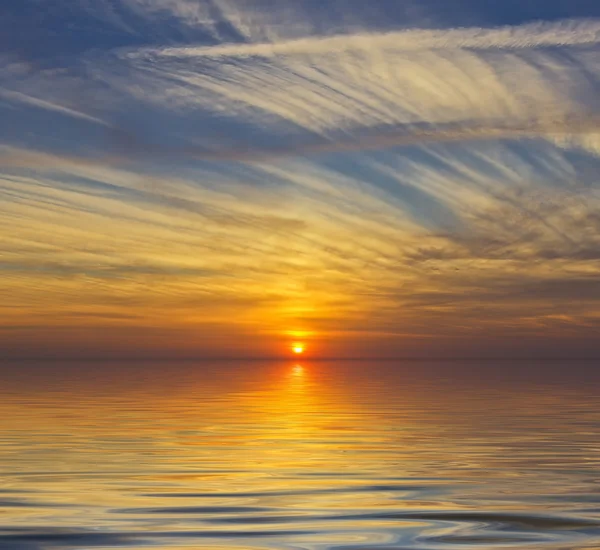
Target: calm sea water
[346,455]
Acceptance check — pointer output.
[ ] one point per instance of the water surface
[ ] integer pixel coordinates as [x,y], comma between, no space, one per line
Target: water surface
[312,455]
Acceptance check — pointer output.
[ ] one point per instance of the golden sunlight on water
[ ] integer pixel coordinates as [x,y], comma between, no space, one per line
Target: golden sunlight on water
[303,455]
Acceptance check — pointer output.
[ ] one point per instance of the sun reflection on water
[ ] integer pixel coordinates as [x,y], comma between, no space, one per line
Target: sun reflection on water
[298,370]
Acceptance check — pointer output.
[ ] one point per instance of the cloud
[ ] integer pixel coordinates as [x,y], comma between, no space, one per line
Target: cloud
[358,92]
[420,182]
[47,105]
[345,250]
[564,33]
[349,92]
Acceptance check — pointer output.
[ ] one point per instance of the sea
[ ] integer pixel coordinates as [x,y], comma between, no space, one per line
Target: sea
[314,455]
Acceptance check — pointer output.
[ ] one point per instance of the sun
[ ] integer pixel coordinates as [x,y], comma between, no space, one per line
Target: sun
[298,349]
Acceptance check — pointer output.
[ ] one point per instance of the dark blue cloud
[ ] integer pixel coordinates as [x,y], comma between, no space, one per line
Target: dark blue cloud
[43,33]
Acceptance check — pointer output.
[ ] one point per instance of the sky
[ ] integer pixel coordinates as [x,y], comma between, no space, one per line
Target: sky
[228,178]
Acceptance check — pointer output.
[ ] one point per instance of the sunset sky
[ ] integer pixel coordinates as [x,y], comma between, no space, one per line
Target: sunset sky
[233,178]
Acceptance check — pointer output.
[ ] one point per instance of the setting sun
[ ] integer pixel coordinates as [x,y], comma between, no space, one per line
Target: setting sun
[298,349]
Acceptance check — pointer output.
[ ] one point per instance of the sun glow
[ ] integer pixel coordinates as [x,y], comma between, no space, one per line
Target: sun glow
[298,349]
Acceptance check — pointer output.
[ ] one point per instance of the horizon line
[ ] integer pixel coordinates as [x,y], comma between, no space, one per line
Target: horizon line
[297,359]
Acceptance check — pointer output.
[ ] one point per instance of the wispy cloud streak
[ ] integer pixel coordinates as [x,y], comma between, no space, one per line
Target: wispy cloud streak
[43,104]
[566,33]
